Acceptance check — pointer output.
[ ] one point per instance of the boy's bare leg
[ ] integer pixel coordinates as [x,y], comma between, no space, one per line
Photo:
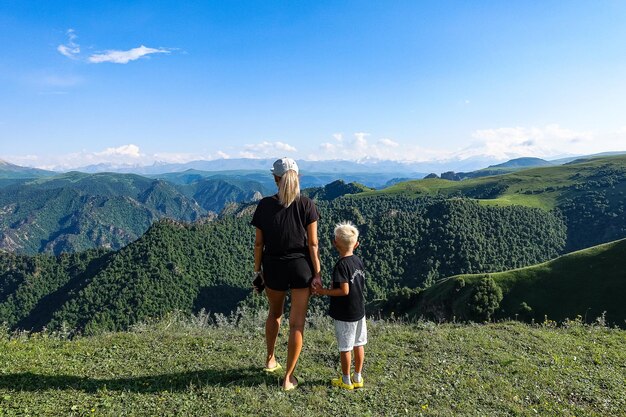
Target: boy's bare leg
[276,301]
[359,358]
[297,317]
[346,358]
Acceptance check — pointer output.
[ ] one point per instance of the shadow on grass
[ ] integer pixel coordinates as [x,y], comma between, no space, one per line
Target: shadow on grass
[243,377]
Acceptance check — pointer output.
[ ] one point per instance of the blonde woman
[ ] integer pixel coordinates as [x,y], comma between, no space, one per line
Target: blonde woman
[286,256]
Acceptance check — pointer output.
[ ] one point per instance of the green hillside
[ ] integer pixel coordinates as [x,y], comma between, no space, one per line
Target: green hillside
[187,267]
[190,369]
[585,283]
[544,187]
[590,195]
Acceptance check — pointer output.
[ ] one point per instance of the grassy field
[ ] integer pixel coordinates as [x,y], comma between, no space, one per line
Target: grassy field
[536,187]
[420,369]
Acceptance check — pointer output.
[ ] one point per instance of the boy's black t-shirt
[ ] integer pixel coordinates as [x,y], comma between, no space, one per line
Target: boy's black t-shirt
[352,306]
[284,228]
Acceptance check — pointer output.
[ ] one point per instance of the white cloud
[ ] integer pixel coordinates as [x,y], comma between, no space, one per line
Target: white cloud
[338,137]
[359,139]
[123,57]
[497,144]
[175,157]
[266,148]
[388,142]
[359,148]
[543,142]
[71,49]
[247,154]
[222,155]
[131,151]
[328,147]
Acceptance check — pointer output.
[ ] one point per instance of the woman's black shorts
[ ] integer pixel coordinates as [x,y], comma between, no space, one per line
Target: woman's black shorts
[282,274]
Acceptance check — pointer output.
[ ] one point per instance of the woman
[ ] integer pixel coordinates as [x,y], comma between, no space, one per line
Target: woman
[286,247]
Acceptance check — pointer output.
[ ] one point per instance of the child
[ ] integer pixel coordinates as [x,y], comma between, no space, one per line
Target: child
[347,305]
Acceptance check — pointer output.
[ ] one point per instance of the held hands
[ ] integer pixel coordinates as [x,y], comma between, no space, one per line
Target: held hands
[317,287]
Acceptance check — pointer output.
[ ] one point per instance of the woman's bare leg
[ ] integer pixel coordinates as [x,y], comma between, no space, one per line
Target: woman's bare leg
[297,317]
[272,324]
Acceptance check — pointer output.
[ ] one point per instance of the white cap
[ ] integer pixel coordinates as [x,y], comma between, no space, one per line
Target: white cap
[283,165]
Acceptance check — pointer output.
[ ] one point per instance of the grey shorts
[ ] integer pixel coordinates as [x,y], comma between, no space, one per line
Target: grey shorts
[350,334]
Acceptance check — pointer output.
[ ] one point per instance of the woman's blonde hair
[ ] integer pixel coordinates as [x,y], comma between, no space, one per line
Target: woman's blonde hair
[288,188]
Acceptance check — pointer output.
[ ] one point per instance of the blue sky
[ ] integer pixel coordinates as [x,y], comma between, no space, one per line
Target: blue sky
[87,82]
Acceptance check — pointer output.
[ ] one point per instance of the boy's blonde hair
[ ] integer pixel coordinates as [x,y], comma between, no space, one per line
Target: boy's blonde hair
[346,235]
[288,188]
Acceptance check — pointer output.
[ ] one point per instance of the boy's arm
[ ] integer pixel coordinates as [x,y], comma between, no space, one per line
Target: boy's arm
[342,291]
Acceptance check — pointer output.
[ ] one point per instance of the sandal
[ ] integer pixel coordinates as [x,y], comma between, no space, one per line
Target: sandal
[274,369]
[338,382]
[294,386]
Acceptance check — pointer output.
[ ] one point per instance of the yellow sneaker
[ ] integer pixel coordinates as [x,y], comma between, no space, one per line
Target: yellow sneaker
[357,384]
[338,382]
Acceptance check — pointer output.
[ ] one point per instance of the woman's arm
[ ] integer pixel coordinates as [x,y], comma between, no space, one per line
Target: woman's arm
[313,244]
[258,249]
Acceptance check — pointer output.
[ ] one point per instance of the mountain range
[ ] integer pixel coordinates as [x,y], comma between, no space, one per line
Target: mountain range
[364,165]
[127,247]
[56,213]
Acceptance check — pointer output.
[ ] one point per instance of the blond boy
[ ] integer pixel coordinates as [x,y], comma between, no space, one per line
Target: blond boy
[347,305]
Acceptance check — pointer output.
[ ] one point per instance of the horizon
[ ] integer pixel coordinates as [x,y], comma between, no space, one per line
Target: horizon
[384,167]
[406,82]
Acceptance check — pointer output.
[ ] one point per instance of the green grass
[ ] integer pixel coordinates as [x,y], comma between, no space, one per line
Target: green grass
[540,187]
[544,202]
[421,369]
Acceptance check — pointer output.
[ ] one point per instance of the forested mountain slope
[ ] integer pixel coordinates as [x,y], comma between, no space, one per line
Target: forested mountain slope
[591,195]
[76,211]
[334,190]
[405,242]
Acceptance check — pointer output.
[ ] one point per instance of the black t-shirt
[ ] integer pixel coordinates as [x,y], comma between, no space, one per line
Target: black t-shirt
[352,306]
[284,228]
